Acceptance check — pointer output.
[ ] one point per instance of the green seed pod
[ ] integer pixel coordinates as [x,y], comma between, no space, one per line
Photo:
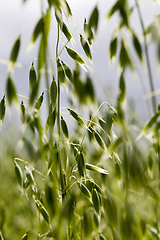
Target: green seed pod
[137,47]
[61,73]
[51,118]
[77,117]
[102,237]
[25,236]
[29,176]
[88,32]
[96,169]
[84,190]
[26,183]
[42,210]
[66,32]
[86,47]
[2,108]
[32,77]
[96,200]
[99,190]
[67,10]
[22,112]
[53,92]
[64,128]
[67,72]
[39,101]
[11,91]
[75,56]
[99,140]
[81,164]
[113,47]
[93,21]
[18,172]
[15,51]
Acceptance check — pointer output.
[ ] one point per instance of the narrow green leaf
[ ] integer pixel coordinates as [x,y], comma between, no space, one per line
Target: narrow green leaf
[77,117]
[2,109]
[113,47]
[137,46]
[47,20]
[39,128]
[54,155]
[75,56]
[64,128]
[15,51]
[51,197]
[66,32]
[19,175]
[25,236]
[87,223]
[99,140]
[53,92]
[11,91]
[93,21]
[32,77]
[68,208]
[86,47]
[96,169]
[67,72]
[122,89]
[42,210]
[41,55]
[114,145]
[152,121]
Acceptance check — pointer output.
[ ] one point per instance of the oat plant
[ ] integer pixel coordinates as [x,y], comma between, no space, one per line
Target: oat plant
[79,172]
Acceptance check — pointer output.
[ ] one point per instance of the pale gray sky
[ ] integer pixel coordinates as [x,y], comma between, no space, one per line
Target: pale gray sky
[17,18]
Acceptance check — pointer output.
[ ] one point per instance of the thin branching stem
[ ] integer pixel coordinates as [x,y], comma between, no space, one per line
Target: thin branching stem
[147,58]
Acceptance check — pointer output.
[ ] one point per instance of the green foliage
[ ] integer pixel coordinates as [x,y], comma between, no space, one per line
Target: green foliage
[94,181]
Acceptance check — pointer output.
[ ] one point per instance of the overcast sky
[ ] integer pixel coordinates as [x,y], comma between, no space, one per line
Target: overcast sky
[17,18]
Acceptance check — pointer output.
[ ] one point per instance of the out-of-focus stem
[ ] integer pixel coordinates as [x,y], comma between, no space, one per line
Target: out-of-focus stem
[58,122]
[147,58]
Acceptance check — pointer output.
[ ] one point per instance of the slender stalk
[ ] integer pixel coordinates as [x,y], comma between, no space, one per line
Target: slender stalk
[58,121]
[147,58]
